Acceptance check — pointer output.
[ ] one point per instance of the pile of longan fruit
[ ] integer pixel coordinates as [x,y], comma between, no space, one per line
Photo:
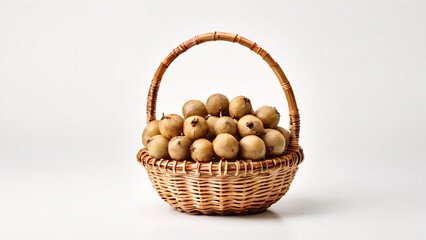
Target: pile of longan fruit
[217,130]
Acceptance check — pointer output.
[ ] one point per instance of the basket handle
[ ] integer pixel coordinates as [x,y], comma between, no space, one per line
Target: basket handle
[222,36]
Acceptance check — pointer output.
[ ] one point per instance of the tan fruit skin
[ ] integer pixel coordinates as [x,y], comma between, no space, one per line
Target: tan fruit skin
[202,150]
[176,116]
[239,107]
[199,130]
[217,105]
[256,128]
[150,130]
[158,147]
[286,135]
[252,148]
[179,148]
[226,146]
[225,125]
[194,107]
[269,116]
[171,126]
[274,142]
[211,120]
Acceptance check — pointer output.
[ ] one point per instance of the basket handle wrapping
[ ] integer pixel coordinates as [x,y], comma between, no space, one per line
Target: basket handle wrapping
[230,37]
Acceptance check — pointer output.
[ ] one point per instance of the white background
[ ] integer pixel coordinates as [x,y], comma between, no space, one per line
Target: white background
[74,76]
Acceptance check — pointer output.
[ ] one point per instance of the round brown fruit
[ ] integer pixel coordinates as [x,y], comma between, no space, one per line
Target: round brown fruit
[217,105]
[274,142]
[150,130]
[179,147]
[225,125]
[286,135]
[250,125]
[195,127]
[158,147]
[240,106]
[171,126]
[211,120]
[269,116]
[252,148]
[202,150]
[225,146]
[194,108]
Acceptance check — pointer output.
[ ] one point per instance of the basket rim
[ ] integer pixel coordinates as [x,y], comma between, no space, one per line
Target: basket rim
[223,168]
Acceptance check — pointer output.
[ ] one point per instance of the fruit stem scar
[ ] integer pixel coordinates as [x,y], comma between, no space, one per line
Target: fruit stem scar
[194,122]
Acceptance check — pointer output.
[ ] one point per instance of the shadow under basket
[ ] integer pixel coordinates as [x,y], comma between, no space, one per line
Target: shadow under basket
[225,187]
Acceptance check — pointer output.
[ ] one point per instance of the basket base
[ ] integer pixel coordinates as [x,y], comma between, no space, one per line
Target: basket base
[224,213]
[206,204]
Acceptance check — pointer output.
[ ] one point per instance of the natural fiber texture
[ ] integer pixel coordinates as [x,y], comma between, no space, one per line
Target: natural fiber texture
[224,187]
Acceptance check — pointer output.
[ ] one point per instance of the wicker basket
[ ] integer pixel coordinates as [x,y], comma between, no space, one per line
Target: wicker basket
[223,187]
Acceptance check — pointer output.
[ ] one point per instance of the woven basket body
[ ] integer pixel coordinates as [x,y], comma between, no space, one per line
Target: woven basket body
[224,187]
